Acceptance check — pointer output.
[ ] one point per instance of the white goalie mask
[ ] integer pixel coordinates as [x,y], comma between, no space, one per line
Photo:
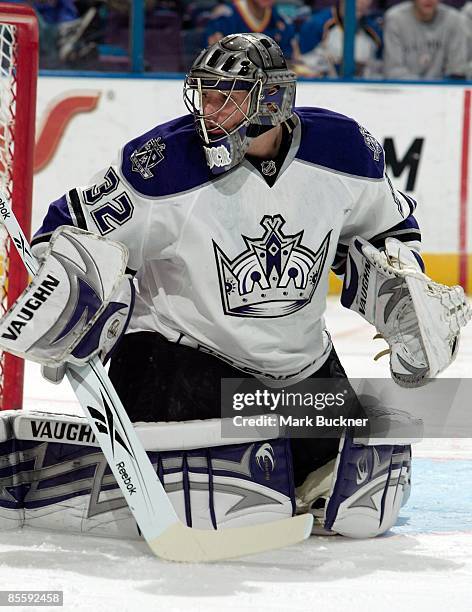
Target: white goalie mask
[237,89]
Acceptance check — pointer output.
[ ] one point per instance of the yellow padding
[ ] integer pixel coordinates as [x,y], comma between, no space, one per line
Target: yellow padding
[441,267]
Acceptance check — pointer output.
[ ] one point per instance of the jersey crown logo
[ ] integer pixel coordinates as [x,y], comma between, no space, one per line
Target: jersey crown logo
[275,276]
[147,157]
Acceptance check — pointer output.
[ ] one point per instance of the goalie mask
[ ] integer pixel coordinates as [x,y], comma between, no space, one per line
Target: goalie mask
[237,89]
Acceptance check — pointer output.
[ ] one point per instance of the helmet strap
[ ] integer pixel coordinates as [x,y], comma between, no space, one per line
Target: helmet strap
[256,129]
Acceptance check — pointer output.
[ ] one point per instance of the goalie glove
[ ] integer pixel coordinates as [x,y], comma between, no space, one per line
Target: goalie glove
[419,319]
[76,307]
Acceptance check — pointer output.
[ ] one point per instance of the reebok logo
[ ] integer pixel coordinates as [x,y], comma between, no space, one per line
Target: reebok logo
[44,290]
[126,478]
[4,210]
[105,425]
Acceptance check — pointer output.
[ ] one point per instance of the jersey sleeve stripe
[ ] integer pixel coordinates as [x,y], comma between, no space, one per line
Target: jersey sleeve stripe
[59,213]
[403,236]
[406,230]
[410,201]
[339,263]
[76,206]
[39,238]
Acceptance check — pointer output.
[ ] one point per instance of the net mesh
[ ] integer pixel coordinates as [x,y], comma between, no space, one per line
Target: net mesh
[7,131]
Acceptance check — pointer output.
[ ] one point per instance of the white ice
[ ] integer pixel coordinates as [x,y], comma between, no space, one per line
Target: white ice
[427,569]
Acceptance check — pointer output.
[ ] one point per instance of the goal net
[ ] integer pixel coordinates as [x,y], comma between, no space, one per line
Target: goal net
[18,75]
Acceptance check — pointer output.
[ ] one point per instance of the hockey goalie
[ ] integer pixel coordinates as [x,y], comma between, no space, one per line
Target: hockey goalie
[203,253]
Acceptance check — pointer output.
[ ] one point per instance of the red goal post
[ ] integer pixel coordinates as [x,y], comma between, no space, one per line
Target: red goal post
[18,77]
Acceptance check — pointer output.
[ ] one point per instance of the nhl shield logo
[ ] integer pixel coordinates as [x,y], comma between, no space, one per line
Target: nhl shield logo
[269,168]
[147,157]
[275,276]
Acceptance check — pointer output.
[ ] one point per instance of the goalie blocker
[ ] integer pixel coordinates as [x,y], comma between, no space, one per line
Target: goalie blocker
[54,476]
[77,306]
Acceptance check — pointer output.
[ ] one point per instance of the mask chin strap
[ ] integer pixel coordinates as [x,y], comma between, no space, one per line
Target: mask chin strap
[255,129]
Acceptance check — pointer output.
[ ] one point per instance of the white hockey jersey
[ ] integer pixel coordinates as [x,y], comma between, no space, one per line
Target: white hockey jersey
[228,264]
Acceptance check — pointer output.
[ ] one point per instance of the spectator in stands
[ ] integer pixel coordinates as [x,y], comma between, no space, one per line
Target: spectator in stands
[51,14]
[124,6]
[78,39]
[321,42]
[251,16]
[424,39]
[56,11]
[467,15]
[61,30]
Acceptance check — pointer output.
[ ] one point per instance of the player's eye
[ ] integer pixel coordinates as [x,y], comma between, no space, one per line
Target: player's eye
[212,96]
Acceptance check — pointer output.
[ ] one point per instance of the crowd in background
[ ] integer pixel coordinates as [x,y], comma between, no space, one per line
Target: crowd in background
[418,39]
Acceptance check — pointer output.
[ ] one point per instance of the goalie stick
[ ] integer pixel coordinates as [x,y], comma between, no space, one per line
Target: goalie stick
[160,526]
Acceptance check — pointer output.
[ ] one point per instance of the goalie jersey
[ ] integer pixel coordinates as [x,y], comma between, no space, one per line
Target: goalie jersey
[228,264]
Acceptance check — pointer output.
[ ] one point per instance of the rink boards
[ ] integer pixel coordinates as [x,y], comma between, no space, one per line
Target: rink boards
[82,123]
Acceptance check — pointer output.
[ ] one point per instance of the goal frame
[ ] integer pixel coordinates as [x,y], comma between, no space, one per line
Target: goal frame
[20,187]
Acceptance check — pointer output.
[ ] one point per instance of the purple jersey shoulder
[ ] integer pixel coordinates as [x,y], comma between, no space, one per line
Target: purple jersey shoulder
[168,159]
[339,143]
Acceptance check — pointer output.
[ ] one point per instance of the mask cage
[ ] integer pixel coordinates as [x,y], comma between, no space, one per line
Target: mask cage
[194,90]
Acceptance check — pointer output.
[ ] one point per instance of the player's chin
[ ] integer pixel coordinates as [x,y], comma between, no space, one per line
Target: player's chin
[216,134]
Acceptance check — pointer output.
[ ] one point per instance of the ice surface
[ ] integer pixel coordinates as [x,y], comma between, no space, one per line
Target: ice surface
[424,563]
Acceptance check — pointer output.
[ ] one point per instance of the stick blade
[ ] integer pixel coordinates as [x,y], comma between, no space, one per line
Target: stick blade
[181,543]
